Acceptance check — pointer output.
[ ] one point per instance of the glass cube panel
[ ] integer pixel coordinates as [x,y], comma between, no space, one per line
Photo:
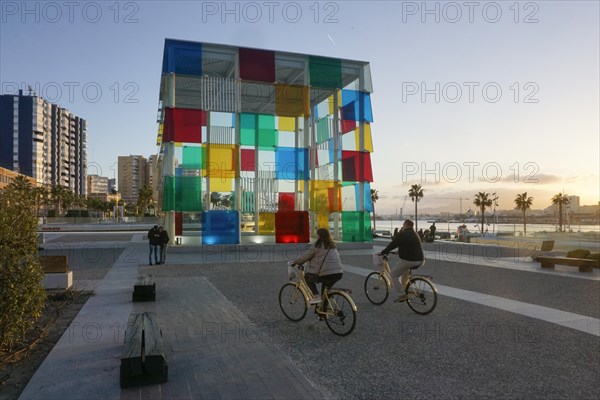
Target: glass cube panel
[257,65]
[356,226]
[220,227]
[292,227]
[292,100]
[266,223]
[291,163]
[182,57]
[325,72]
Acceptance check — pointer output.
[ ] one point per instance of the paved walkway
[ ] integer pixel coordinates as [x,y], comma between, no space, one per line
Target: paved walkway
[213,350]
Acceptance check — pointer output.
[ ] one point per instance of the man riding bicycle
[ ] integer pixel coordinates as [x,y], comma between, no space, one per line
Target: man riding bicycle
[411,255]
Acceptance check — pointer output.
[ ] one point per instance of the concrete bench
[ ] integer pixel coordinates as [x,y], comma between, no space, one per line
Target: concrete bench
[144,289]
[584,265]
[54,264]
[56,272]
[143,358]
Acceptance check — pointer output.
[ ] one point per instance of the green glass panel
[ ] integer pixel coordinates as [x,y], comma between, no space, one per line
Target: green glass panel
[323,130]
[325,72]
[192,157]
[248,202]
[267,135]
[248,129]
[168,193]
[188,193]
[356,226]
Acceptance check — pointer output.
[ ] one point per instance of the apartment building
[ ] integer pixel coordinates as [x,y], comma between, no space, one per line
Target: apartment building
[44,141]
[132,176]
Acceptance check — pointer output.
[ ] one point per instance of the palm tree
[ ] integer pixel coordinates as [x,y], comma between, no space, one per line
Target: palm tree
[374,198]
[560,199]
[483,201]
[524,203]
[59,196]
[41,194]
[416,194]
[145,198]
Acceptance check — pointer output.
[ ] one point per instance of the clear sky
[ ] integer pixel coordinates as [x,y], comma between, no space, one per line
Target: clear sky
[468,96]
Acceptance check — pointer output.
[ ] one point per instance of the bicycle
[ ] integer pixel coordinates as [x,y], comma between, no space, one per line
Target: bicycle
[421,293]
[337,307]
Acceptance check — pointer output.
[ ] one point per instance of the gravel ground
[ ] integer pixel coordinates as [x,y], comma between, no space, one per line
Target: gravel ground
[461,350]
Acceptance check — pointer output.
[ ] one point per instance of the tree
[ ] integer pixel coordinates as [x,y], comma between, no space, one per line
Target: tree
[483,201]
[523,203]
[560,199]
[145,198]
[416,194]
[59,196]
[42,197]
[22,294]
[374,198]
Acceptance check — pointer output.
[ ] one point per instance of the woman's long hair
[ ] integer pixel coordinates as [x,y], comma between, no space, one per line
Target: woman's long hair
[324,239]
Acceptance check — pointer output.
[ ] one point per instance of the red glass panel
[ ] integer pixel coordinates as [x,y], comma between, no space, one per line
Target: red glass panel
[356,166]
[286,201]
[183,125]
[257,65]
[291,227]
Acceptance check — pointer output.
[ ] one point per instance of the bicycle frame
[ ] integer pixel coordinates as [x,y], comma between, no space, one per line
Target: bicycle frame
[307,293]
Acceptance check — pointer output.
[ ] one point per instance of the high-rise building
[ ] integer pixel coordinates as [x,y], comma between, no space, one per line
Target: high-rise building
[132,176]
[153,178]
[44,141]
[97,184]
[112,185]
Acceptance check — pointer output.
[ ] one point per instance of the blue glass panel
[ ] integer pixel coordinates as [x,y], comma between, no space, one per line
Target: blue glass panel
[367,197]
[291,163]
[356,106]
[182,57]
[220,227]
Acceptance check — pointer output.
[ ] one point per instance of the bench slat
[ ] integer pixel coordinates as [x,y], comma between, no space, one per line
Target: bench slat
[131,358]
[154,357]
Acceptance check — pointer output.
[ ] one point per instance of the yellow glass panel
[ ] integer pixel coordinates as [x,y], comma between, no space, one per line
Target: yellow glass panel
[287,124]
[291,100]
[323,220]
[368,138]
[330,102]
[323,196]
[221,184]
[266,223]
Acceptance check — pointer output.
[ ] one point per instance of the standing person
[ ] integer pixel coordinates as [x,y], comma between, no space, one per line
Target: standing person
[163,236]
[154,241]
[395,232]
[421,234]
[432,230]
[325,265]
[410,252]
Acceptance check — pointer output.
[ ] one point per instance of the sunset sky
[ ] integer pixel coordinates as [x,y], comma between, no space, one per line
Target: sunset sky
[493,96]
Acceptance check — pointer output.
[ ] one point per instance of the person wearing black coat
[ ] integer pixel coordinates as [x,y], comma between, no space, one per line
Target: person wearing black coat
[164,243]
[154,241]
[411,255]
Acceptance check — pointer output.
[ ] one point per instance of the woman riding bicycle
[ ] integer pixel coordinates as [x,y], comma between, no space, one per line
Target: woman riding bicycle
[411,255]
[325,266]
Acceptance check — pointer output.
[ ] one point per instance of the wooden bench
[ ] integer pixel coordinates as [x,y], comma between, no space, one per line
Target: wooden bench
[54,264]
[584,265]
[144,289]
[143,358]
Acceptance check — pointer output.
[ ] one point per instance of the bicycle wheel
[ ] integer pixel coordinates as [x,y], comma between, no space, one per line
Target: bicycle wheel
[292,302]
[422,295]
[341,317]
[376,288]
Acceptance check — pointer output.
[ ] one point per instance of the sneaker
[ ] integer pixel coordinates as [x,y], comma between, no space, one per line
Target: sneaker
[401,298]
[315,300]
